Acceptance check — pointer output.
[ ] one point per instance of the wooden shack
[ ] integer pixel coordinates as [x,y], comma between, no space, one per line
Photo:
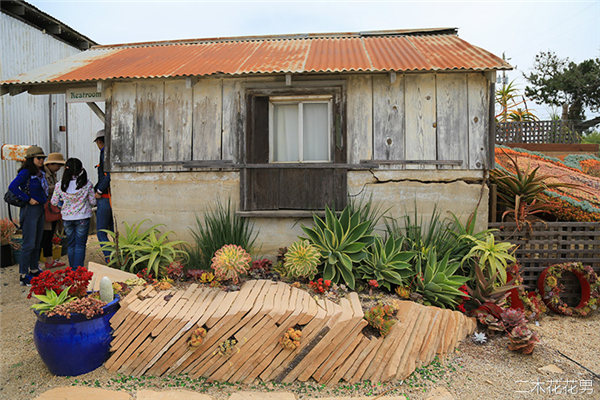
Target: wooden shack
[284,125]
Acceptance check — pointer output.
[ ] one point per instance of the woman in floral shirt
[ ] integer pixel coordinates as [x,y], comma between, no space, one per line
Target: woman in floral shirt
[75,195]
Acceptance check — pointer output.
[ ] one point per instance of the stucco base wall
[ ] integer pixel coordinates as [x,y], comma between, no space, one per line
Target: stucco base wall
[175,199]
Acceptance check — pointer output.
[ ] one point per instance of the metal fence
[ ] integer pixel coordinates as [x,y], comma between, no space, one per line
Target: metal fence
[553,243]
[559,131]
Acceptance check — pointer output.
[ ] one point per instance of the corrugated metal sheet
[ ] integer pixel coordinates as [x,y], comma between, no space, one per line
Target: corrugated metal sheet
[303,53]
[26,119]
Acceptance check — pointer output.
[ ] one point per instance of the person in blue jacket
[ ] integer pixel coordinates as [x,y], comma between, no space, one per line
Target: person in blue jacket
[31,186]
[104,218]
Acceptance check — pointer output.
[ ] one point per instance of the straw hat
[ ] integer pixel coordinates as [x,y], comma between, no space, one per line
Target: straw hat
[34,151]
[55,158]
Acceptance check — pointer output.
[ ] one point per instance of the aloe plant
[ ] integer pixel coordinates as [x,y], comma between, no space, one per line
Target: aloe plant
[342,241]
[492,257]
[155,252]
[387,263]
[51,300]
[436,280]
[122,246]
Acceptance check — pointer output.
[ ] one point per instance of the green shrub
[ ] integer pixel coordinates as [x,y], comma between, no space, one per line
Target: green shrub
[342,242]
[220,227]
[155,252]
[122,247]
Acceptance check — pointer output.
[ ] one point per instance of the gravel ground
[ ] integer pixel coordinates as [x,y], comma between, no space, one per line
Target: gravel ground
[486,371]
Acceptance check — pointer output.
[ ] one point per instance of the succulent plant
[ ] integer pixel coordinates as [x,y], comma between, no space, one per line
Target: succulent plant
[492,323]
[386,263]
[230,261]
[511,318]
[437,282]
[522,339]
[291,339]
[479,337]
[301,260]
[197,337]
[106,290]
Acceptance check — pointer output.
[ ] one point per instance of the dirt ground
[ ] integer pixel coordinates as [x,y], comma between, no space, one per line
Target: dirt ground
[486,371]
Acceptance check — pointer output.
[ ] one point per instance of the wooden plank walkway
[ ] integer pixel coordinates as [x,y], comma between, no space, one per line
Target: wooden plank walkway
[152,330]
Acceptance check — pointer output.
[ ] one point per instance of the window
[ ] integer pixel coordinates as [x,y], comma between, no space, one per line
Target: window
[295,152]
[300,129]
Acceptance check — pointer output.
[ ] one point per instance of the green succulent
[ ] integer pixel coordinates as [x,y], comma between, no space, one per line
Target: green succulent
[301,260]
[155,252]
[492,257]
[342,241]
[122,246]
[387,263]
[437,282]
[51,300]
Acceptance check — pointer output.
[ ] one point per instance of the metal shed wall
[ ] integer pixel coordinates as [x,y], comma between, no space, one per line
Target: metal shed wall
[28,119]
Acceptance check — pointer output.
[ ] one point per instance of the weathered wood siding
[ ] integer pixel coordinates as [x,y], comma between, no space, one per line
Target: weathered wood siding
[413,121]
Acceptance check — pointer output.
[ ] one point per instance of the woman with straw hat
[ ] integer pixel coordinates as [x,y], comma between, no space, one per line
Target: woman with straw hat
[31,186]
[53,163]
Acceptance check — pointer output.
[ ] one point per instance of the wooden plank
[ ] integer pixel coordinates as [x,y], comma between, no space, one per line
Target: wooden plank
[207,117]
[178,123]
[234,117]
[359,118]
[388,118]
[420,118]
[350,359]
[343,353]
[360,370]
[179,350]
[126,307]
[452,125]
[359,356]
[123,123]
[478,100]
[428,348]
[406,367]
[149,126]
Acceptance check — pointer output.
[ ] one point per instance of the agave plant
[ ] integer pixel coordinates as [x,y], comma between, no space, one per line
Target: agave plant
[155,252]
[387,263]
[301,260]
[489,290]
[493,258]
[436,280]
[342,242]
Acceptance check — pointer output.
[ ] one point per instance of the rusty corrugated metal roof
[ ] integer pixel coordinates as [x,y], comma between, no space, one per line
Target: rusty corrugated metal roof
[432,50]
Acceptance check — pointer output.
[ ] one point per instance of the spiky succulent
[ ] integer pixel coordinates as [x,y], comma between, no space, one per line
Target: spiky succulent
[230,261]
[301,260]
[479,337]
[511,318]
[386,263]
[522,339]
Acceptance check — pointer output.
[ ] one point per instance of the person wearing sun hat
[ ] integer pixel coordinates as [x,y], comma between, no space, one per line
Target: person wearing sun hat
[31,186]
[53,163]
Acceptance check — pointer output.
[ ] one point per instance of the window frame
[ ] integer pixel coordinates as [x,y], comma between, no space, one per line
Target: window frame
[300,101]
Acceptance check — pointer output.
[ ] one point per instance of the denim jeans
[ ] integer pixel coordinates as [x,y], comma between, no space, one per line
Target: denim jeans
[77,234]
[104,220]
[32,225]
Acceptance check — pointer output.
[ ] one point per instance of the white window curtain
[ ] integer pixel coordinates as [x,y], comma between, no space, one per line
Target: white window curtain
[300,132]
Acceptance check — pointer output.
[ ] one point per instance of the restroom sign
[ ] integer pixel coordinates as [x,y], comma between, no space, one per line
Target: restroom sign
[84,95]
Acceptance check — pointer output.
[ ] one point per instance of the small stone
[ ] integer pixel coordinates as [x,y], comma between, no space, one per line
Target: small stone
[440,393]
[551,369]
[488,381]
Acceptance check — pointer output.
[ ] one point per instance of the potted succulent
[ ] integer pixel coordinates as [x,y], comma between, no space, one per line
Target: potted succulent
[72,333]
[8,229]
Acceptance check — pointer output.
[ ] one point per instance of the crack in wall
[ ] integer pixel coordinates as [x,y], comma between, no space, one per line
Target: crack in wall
[469,181]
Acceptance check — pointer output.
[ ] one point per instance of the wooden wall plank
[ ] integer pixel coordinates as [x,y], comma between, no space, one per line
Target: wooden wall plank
[478,95]
[178,123]
[234,117]
[420,119]
[452,123]
[388,118]
[149,134]
[208,114]
[359,124]
[122,124]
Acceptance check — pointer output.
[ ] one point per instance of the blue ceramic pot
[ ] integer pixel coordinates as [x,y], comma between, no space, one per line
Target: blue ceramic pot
[74,346]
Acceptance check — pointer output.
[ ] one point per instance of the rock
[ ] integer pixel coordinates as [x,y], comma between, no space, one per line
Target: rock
[440,393]
[81,392]
[551,369]
[170,395]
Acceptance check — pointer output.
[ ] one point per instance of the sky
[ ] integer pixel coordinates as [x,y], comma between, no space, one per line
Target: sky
[518,29]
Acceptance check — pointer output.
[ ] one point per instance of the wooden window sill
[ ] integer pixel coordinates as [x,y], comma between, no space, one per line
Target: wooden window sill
[280,213]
